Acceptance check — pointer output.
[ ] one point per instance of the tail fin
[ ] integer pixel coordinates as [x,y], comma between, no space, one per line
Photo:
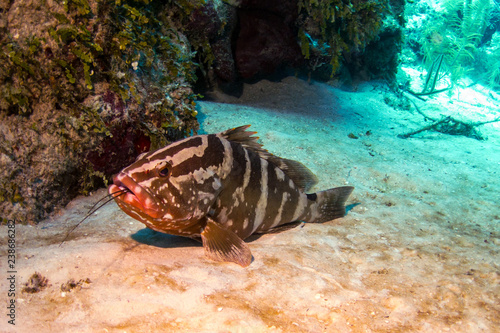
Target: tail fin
[330,204]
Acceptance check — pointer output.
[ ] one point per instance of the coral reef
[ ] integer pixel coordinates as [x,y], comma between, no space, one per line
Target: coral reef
[325,37]
[455,33]
[462,35]
[86,85]
[210,29]
[364,37]
[332,27]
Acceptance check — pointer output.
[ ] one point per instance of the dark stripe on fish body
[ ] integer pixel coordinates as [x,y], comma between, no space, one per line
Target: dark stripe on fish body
[139,169]
[273,202]
[282,199]
[172,151]
[252,192]
[239,166]
[243,215]
[232,196]
[212,156]
[255,177]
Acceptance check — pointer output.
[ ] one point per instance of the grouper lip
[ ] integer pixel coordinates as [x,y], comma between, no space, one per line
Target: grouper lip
[135,196]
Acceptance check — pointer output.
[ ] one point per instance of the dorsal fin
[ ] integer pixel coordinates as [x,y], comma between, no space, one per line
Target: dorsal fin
[244,137]
[299,173]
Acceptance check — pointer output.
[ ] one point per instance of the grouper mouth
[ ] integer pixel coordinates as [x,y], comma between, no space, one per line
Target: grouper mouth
[129,192]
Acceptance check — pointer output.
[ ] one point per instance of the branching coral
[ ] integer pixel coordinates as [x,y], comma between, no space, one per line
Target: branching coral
[455,34]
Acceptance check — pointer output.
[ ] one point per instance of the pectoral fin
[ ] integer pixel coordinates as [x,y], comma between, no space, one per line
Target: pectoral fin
[222,244]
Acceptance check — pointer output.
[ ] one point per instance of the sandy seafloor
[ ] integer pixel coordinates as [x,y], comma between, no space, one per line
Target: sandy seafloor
[419,253]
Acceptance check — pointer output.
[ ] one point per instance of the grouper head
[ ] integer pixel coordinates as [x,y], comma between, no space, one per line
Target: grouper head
[169,189]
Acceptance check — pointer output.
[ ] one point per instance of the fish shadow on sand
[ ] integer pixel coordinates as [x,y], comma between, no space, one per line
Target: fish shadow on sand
[159,239]
[154,238]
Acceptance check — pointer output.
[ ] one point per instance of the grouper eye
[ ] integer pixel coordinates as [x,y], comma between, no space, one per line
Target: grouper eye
[163,172]
[163,169]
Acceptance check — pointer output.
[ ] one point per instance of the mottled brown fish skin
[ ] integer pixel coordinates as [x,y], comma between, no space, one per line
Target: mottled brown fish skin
[257,195]
[223,188]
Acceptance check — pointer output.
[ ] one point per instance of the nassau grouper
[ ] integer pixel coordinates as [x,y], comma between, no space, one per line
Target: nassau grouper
[222,188]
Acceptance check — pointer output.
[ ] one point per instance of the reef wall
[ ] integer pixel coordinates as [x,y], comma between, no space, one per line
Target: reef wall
[85,87]
[326,39]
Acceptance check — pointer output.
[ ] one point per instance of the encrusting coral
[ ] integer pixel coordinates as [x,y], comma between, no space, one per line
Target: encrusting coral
[330,28]
[86,85]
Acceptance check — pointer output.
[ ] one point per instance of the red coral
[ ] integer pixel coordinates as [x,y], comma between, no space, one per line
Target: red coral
[118,151]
